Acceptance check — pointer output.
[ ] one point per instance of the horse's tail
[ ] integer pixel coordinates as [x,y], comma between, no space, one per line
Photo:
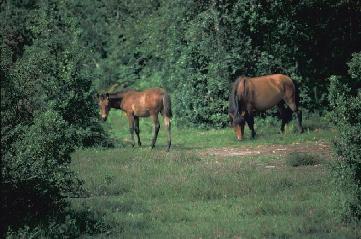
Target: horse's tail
[234,102]
[297,94]
[167,105]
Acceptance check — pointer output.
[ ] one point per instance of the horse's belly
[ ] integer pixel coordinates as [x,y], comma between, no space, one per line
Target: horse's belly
[139,111]
[266,102]
[142,113]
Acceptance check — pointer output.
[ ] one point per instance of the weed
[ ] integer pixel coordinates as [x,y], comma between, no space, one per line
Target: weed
[296,159]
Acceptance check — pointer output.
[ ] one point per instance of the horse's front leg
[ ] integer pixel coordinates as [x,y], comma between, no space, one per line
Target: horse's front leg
[131,127]
[250,119]
[156,127]
[250,122]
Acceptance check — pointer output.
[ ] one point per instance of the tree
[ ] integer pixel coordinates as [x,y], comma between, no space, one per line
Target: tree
[346,117]
[47,110]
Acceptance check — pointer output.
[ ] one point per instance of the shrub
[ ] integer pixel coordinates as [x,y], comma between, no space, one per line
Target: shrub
[296,159]
[69,224]
[355,70]
[36,174]
[346,117]
[46,111]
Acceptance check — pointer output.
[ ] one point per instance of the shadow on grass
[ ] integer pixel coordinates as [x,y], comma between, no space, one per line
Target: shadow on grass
[296,159]
[71,223]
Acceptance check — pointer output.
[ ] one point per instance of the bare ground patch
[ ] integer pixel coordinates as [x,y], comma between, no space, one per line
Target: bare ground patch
[318,147]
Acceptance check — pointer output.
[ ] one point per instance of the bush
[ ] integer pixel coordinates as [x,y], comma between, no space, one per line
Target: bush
[47,111]
[69,224]
[355,67]
[36,174]
[346,117]
[296,159]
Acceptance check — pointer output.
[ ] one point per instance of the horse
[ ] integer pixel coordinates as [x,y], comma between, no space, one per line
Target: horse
[147,103]
[250,95]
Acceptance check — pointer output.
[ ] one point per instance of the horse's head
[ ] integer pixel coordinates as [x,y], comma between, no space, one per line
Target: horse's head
[238,122]
[104,105]
[236,108]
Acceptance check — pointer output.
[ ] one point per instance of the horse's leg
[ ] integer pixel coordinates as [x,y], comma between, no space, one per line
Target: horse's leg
[242,129]
[298,112]
[250,122]
[168,127]
[282,111]
[299,120]
[250,119]
[156,127]
[131,127]
[136,128]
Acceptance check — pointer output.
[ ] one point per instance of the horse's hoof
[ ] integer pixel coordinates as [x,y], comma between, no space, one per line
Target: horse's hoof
[139,144]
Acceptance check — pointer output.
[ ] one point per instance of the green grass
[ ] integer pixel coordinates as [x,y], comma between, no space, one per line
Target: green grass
[144,193]
[189,138]
[296,159]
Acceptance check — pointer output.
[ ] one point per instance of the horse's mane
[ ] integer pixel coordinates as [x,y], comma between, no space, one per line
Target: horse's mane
[233,104]
[241,79]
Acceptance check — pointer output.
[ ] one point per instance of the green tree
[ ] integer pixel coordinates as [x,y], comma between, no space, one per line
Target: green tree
[346,116]
[47,109]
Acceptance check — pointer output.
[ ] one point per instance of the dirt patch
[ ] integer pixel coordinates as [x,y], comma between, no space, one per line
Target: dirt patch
[318,147]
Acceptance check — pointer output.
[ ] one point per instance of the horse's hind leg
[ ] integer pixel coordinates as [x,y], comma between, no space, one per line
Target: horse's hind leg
[282,112]
[137,130]
[156,127]
[294,108]
[299,121]
[168,127]
[131,127]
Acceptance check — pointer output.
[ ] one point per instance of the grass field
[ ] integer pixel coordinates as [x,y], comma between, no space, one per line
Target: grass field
[144,193]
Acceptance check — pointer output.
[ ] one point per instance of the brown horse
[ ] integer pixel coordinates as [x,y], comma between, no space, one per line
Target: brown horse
[135,104]
[259,94]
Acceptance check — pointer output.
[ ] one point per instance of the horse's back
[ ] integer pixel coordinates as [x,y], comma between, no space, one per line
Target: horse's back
[144,103]
[267,91]
[154,92]
[274,79]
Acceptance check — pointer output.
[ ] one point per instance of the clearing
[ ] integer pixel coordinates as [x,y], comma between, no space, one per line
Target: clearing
[318,147]
[209,186]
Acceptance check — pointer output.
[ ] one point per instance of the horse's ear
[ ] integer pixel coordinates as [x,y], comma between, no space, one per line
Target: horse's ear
[107,95]
[96,97]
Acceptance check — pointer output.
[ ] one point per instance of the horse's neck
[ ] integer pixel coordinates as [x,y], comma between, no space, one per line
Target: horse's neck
[115,103]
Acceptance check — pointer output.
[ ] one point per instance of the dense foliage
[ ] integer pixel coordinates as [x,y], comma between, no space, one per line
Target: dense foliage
[196,48]
[47,109]
[346,116]
[54,55]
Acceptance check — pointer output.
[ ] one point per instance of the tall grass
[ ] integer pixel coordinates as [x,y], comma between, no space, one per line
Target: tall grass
[143,193]
[147,193]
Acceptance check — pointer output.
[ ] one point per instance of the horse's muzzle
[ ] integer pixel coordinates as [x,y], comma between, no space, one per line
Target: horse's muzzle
[104,118]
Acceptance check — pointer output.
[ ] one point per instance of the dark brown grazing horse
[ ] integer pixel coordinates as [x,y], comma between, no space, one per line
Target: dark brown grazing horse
[259,94]
[135,104]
